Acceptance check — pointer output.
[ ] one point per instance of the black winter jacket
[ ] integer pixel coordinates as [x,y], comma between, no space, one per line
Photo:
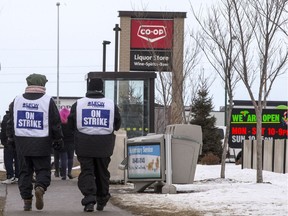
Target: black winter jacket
[98,146]
[4,128]
[68,138]
[36,146]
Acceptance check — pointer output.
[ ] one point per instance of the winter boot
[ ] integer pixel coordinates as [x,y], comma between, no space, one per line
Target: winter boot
[89,207]
[56,173]
[70,176]
[102,201]
[27,204]
[39,192]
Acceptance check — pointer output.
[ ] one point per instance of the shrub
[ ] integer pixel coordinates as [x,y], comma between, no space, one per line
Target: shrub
[210,159]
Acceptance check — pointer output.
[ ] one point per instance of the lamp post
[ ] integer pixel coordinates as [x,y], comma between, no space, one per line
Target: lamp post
[104,54]
[117,29]
[58,102]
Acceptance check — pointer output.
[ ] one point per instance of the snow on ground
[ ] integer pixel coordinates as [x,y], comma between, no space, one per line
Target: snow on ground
[239,191]
[237,194]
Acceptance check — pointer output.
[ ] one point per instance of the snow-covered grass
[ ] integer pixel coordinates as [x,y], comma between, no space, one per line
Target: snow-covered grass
[237,194]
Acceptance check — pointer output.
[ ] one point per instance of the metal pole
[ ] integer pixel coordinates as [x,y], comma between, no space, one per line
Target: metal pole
[168,187]
[116,29]
[168,159]
[104,57]
[104,54]
[58,102]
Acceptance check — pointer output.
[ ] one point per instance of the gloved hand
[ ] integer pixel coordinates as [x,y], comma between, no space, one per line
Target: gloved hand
[10,143]
[58,145]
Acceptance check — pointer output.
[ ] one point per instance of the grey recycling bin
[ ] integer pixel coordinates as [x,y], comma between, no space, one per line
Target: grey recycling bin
[186,144]
[146,160]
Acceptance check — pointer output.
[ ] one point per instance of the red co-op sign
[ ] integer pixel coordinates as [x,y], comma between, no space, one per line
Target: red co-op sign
[151,34]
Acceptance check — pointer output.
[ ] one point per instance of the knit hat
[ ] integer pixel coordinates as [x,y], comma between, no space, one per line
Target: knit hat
[95,84]
[36,79]
[64,113]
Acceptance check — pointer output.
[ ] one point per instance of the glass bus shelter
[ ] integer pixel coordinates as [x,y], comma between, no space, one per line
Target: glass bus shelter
[133,92]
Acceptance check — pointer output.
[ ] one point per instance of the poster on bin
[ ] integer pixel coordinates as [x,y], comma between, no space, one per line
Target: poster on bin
[144,161]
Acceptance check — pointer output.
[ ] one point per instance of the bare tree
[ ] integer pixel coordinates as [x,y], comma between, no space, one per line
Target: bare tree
[259,26]
[190,84]
[216,41]
[167,82]
[163,99]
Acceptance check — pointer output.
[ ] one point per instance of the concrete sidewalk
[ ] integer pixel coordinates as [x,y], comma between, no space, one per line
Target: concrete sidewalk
[62,198]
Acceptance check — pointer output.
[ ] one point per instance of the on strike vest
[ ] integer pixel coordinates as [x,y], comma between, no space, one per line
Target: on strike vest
[95,116]
[31,117]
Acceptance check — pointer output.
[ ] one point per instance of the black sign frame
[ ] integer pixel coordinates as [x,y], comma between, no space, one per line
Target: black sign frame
[150,60]
[243,125]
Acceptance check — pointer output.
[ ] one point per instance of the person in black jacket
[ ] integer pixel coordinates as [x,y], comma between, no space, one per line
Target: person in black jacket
[94,119]
[34,127]
[10,156]
[66,155]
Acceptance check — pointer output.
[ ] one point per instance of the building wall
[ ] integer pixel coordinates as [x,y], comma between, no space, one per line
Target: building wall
[124,58]
[177,69]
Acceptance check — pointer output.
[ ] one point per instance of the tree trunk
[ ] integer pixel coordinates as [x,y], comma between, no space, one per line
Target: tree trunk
[226,147]
[258,111]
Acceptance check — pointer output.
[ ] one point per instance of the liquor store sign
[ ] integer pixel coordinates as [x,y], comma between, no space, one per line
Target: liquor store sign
[151,45]
[243,125]
[151,34]
[143,60]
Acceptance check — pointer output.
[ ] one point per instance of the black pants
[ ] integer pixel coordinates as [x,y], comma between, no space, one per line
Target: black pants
[27,166]
[11,162]
[93,181]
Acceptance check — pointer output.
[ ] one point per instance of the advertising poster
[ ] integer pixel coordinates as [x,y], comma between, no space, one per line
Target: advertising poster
[243,125]
[144,161]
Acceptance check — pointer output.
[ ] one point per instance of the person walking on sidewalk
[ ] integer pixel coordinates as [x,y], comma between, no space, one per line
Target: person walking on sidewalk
[94,119]
[10,156]
[34,127]
[66,155]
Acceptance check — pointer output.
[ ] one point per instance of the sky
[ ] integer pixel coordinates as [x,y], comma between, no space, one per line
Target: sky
[236,195]
[28,44]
